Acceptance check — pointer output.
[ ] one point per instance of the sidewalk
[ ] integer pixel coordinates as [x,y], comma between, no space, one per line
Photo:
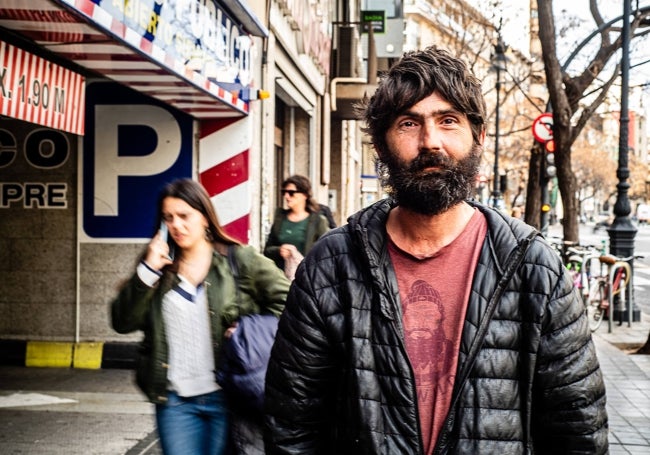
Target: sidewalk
[627,378]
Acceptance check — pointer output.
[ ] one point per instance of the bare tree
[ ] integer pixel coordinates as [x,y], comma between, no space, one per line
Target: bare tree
[593,172]
[571,106]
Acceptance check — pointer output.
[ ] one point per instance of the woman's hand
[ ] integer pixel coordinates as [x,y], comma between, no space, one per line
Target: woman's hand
[287,250]
[230,330]
[157,253]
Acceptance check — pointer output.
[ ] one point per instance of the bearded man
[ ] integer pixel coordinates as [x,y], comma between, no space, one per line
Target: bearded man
[430,323]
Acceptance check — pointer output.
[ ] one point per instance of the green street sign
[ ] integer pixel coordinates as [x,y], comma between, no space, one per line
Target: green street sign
[376,18]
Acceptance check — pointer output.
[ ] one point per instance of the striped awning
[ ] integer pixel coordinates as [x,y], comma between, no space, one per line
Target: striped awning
[82,31]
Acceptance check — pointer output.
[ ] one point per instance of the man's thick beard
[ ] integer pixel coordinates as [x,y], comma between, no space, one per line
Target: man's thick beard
[430,192]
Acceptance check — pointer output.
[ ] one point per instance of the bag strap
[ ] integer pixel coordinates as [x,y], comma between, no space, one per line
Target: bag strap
[234,269]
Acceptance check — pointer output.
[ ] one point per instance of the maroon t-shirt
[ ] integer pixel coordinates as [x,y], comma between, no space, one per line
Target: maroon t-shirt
[434,294]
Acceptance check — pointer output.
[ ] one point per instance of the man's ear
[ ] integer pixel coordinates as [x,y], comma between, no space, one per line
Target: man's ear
[481,138]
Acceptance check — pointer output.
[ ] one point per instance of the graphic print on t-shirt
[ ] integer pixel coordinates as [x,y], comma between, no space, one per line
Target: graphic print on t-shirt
[429,346]
[434,292]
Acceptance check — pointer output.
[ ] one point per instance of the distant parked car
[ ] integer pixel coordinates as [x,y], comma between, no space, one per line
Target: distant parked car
[643,213]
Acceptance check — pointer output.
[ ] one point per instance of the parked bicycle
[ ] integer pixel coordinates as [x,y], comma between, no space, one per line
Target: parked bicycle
[582,262]
[609,285]
[601,279]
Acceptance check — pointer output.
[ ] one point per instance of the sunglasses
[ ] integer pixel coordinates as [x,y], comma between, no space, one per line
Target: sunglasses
[290,192]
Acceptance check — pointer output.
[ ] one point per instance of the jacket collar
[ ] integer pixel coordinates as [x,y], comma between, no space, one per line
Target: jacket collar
[368,227]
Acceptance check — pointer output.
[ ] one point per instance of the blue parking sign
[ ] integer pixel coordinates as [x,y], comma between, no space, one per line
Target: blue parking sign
[133,146]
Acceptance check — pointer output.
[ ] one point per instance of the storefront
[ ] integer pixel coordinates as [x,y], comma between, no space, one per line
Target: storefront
[102,103]
[296,137]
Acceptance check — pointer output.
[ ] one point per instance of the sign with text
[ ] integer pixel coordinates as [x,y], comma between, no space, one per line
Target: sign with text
[197,35]
[38,91]
[35,164]
[376,19]
[134,145]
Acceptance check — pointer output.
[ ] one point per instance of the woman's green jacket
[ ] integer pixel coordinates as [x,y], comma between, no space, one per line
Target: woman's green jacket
[263,288]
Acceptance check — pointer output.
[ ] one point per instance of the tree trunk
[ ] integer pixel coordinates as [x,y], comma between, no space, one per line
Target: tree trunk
[567,184]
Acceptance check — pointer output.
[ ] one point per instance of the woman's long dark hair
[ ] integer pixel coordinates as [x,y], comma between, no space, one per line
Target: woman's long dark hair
[197,197]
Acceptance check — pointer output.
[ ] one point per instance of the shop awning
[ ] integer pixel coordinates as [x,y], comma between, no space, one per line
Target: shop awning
[149,47]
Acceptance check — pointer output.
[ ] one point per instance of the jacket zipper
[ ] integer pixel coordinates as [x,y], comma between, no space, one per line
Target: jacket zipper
[515,259]
[397,326]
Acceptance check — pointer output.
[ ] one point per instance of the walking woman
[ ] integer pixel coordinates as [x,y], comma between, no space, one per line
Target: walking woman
[183,297]
[296,228]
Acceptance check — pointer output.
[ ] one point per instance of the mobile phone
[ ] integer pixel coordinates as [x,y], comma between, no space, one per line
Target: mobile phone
[165,236]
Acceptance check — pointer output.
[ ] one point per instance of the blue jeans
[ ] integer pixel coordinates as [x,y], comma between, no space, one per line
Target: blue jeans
[193,425]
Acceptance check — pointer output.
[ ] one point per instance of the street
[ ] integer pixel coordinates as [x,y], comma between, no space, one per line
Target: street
[53,411]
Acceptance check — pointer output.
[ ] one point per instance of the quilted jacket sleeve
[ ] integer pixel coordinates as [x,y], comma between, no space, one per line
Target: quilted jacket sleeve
[569,414]
[300,376]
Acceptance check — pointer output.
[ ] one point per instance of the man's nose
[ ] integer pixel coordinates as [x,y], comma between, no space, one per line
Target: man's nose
[430,139]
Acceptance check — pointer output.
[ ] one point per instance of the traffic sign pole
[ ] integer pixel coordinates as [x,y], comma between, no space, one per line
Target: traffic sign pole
[543,133]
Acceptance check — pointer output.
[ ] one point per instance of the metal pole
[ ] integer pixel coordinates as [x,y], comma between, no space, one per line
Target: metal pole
[545,216]
[622,231]
[499,59]
[372,56]
[495,191]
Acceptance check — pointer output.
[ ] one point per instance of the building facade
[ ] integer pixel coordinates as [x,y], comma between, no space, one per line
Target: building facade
[102,103]
[236,95]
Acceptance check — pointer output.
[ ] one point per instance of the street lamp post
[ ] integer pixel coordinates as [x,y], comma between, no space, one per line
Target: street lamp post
[622,231]
[499,64]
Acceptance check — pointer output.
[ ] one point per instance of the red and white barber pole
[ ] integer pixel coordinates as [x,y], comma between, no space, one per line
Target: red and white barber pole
[224,150]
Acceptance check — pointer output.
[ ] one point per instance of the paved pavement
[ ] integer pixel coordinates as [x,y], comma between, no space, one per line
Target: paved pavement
[51,411]
[627,378]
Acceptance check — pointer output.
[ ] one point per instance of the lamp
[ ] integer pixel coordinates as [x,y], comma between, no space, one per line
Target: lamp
[622,231]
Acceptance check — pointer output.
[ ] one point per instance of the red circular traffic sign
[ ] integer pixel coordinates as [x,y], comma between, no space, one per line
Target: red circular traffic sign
[543,127]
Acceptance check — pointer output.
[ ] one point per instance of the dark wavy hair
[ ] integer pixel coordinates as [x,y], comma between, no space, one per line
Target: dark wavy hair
[304,186]
[197,197]
[414,77]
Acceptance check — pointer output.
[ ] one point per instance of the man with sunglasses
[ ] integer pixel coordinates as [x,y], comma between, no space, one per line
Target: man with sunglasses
[431,323]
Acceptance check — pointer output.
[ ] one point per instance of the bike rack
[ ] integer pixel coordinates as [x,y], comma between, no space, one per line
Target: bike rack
[626,299]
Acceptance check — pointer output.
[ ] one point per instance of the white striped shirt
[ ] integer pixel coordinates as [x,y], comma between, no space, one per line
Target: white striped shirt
[187,326]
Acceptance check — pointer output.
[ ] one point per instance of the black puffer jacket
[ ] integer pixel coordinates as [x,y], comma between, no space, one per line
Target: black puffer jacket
[340,382]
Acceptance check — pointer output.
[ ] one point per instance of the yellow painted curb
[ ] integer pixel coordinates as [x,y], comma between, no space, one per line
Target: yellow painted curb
[48,354]
[88,355]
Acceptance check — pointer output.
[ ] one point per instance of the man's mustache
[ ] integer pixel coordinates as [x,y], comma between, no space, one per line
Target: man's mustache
[427,160]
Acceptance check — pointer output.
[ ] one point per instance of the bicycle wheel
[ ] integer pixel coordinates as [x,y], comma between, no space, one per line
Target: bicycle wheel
[596,306]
